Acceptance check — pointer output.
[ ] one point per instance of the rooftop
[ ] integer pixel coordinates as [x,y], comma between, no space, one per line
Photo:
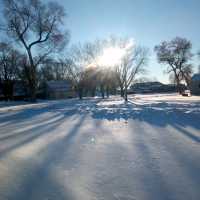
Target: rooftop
[196,77]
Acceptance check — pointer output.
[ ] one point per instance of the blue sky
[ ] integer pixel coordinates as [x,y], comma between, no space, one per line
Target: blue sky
[148,21]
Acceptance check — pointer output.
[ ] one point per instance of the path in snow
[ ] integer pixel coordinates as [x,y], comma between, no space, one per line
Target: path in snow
[101,150]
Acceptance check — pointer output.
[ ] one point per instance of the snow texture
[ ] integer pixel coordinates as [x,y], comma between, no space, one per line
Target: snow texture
[146,149]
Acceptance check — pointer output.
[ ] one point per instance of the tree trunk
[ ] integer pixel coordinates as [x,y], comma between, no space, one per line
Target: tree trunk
[107,92]
[102,91]
[125,95]
[187,80]
[80,96]
[178,86]
[32,81]
[32,86]
[121,92]
[80,93]
[93,92]
[125,92]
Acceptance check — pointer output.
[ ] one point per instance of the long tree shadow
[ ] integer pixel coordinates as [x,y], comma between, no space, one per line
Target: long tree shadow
[27,125]
[159,114]
[53,154]
[12,116]
[65,107]
[28,136]
[188,134]
[49,153]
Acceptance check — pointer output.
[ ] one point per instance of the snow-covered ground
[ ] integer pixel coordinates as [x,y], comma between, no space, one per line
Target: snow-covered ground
[146,149]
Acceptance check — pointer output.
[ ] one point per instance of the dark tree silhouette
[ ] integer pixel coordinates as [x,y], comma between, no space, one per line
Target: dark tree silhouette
[176,54]
[82,58]
[9,68]
[131,66]
[36,26]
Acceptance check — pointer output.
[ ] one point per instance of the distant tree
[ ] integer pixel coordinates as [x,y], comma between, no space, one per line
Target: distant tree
[35,25]
[89,72]
[176,54]
[46,71]
[100,77]
[51,69]
[97,78]
[120,43]
[107,81]
[83,66]
[89,81]
[80,59]
[9,68]
[131,64]
[186,74]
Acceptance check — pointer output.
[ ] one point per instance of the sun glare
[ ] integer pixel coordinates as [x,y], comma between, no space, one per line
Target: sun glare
[111,56]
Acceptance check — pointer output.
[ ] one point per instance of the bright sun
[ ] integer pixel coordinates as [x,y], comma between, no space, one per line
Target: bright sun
[111,56]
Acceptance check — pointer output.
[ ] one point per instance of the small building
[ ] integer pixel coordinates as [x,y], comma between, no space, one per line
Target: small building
[195,84]
[59,90]
[152,87]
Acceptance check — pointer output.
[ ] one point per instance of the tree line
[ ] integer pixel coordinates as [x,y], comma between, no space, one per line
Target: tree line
[36,39]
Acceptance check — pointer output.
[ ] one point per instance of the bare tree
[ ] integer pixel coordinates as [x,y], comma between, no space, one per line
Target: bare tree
[186,74]
[77,68]
[35,25]
[131,66]
[8,61]
[106,80]
[88,65]
[82,59]
[51,69]
[176,54]
[9,67]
